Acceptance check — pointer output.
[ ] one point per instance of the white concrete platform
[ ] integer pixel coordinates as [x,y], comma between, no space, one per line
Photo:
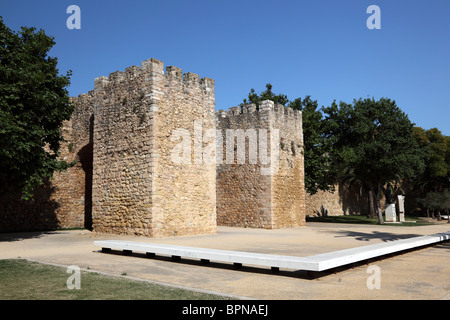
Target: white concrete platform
[318,262]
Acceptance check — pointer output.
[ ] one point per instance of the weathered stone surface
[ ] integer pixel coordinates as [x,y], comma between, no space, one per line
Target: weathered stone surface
[261,194]
[137,188]
[125,134]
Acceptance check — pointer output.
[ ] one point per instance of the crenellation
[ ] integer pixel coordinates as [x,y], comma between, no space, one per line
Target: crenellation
[207,83]
[221,114]
[191,78]
[266,110]
[133,72]
[83,96]
[153,66]
[174,73]
[288,111]
[117,77]
[250,108]
[101,82]
[234,111]
[266,106]
[279,108]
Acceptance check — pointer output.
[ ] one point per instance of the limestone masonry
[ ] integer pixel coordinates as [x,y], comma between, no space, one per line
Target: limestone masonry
[258,193]
[156,159]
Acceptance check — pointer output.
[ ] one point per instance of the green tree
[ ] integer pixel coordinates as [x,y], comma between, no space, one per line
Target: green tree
[447,158]
[436,148]
[436,201]
[255,98]
[315,144]
[372,142]
[33,104]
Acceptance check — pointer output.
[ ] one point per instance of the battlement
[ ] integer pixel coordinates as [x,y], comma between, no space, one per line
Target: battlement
[266,108]
[149,70]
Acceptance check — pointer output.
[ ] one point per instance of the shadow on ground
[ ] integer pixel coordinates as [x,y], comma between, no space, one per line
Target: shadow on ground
[367,236]
[10,237]
[301,274]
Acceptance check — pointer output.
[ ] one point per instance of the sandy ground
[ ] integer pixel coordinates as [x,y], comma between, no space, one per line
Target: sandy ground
[419,274]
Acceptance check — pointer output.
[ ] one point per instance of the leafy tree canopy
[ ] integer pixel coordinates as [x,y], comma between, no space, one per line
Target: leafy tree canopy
[317,147]
[436,148]
[267,94]
[33,104]
[373,140]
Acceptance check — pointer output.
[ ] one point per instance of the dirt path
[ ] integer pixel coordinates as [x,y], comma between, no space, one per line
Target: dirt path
[420,274]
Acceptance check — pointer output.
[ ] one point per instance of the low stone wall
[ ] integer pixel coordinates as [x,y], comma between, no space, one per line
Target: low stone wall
[60,203]
[343,201]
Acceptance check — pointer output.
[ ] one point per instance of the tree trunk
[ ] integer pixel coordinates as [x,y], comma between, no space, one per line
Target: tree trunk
[380,213]
[439,215]
[428,213]
[371,205]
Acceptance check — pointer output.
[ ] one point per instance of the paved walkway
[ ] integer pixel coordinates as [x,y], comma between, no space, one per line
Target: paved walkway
[420,274]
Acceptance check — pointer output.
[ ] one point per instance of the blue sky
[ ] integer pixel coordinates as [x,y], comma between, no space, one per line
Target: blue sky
[321,48]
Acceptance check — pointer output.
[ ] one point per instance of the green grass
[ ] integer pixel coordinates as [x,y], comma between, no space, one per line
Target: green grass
[354,219]
[25,280]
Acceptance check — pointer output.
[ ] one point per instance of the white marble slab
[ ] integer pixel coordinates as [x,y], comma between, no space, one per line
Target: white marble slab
[318,262]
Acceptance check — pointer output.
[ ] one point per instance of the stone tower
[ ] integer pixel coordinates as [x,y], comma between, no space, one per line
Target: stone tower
[136,186]
[265,188]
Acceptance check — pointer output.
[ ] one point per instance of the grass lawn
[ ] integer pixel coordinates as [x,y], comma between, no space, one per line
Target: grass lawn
[24,280]
[410,220]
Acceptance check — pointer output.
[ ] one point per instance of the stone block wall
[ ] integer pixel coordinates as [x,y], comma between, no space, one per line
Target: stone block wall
[267,189]
[59,203]
[342,201]
[243,192]
[184,199]
[288,183]
[136,186]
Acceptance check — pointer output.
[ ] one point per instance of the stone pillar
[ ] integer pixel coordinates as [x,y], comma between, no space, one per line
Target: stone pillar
[401,208]
[390,213]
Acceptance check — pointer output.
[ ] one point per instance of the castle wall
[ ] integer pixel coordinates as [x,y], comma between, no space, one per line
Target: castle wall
[288,186]
[155,159]
[59,203]
[243,192]
[262,194]
[137,188]
[342,201]
[68,188]
[122,158]
[183,191]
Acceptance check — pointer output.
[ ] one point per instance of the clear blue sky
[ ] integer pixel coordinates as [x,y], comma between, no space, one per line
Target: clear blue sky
[320,48]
